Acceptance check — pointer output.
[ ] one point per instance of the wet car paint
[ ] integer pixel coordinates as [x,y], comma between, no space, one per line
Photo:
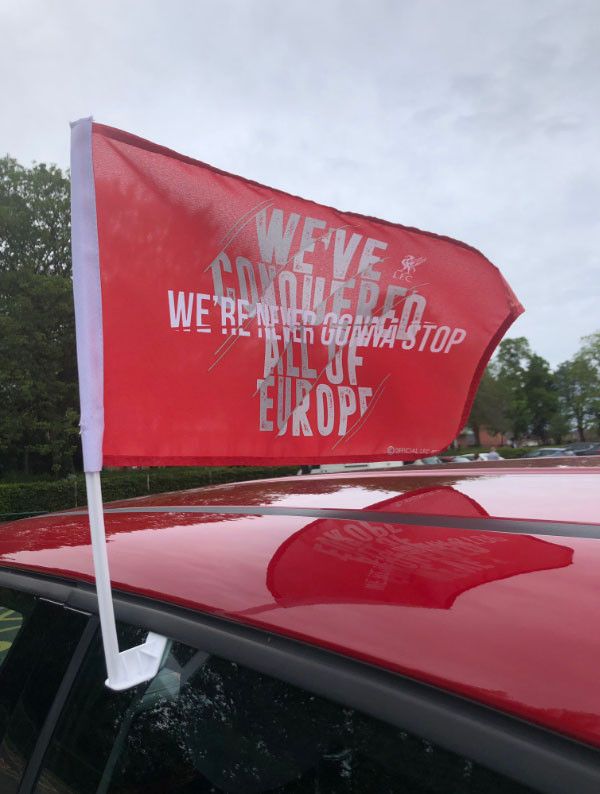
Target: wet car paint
[507,619]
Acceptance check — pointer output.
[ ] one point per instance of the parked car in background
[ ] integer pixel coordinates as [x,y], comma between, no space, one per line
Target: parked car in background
[549,452]
[341,468]
[584,448]
[593,450]
[492,455]
[427,631]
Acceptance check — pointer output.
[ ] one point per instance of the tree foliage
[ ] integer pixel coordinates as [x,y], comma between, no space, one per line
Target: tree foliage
[521,395]
[489,407]
[35,231]
[591,349]
[38,393]
[540,397]
[577,382]
[509,370]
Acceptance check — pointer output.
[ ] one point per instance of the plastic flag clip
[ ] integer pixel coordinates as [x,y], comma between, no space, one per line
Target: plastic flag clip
[138,664]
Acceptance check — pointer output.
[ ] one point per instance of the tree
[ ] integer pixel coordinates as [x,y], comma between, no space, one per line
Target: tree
[509,369]
[520,392]
[512,357]
[35,230]
[38,392]
[591,352]
[541,396]
[559,427]
[488,407]
[578,384]
[591,349]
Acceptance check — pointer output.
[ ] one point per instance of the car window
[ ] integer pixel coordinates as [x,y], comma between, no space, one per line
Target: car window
[206,724]
[11,622]
[37,640]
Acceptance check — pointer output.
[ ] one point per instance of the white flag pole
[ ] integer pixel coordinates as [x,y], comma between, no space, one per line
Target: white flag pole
[102,573]
[127,668]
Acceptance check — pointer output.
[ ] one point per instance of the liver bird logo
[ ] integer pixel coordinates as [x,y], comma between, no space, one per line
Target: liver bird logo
[409,266]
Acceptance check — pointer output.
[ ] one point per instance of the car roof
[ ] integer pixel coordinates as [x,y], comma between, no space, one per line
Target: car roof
[483,581]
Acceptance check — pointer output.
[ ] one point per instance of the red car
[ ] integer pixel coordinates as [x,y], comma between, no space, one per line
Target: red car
[409,631]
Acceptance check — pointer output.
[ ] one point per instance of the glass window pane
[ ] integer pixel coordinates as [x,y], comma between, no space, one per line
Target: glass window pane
[37,640]
[10,625]
[209,725]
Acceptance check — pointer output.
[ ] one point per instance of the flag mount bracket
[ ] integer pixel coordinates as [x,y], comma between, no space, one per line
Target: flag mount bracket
[138,664]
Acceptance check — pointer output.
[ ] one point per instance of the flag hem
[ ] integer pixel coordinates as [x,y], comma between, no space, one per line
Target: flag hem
[87,294]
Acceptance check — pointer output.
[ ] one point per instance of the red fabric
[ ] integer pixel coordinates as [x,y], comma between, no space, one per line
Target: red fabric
[179,388]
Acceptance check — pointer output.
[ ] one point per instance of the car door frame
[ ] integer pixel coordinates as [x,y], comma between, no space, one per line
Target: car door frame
[529,754]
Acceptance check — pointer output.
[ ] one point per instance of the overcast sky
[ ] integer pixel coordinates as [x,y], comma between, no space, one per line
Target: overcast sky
[476,119]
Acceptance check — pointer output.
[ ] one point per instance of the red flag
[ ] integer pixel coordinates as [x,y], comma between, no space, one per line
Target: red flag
[222,321]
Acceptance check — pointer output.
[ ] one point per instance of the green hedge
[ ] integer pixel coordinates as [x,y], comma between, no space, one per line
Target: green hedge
[20,499]
[29,498]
